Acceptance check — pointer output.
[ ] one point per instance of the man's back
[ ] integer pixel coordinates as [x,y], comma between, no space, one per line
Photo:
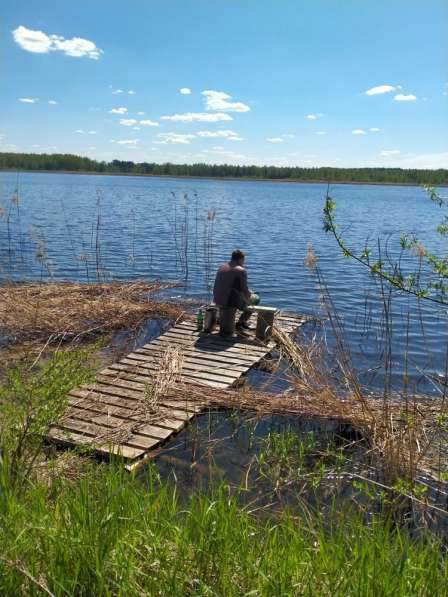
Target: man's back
[230,289]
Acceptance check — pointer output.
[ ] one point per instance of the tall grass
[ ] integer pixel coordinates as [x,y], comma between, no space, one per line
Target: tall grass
[109,534]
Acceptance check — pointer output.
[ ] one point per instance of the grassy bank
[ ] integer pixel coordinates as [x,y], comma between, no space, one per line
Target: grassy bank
[108,534]
[73,526]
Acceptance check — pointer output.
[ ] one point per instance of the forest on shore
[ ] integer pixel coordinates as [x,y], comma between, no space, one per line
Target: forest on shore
[74,163]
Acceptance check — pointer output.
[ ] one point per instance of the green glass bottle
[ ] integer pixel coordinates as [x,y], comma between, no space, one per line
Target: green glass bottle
[200,321]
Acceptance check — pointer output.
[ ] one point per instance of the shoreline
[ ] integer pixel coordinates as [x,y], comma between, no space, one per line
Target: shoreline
[223,178]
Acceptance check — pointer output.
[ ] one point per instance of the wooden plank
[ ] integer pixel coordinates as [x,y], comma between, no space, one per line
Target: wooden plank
[190,360]
[242,360]
[187,365]
[70,438]
[143,379]
[98,432]
[148,371]
[102,416]
[126,406]
[116,397]
[210,347]
[214,339]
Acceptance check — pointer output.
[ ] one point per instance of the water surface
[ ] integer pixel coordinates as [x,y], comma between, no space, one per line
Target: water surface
[79,227]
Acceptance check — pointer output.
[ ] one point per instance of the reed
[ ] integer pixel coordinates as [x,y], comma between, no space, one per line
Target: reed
[55,311]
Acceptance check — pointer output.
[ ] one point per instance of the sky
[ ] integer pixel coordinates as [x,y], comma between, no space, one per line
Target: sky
[349,83]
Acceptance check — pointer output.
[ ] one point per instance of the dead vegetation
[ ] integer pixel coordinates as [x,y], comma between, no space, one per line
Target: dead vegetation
[54,312]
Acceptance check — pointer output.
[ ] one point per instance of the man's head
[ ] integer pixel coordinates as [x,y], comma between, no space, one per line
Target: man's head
[238,256]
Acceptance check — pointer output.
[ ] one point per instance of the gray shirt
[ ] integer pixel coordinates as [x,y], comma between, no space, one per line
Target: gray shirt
[231,289]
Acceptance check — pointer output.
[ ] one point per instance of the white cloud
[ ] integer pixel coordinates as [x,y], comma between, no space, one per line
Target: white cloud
[118,111]
[274,140]
[380,89]
[218,101]
[28,100]
[359,132]
[117,91]
[126,142]
[374,129]
[39,42]
[312,116]
[388,152]
[321,133]
[198,117]
[401,97]
[92,132]
[80,132]
[288,136]
[224,134]
[52,102]
[128,121]
[148,123]
[131,92]
[185,90]
[141,113]
[136,128]
[174,138]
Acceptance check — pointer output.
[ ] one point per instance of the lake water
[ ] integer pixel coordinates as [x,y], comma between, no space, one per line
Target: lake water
[76,226]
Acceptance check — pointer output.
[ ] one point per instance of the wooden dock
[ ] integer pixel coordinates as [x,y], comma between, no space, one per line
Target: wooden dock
[111,415]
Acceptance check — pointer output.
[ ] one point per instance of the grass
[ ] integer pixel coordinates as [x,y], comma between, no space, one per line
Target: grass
[109,534]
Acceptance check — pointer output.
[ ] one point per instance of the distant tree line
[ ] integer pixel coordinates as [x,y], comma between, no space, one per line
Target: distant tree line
[74,163]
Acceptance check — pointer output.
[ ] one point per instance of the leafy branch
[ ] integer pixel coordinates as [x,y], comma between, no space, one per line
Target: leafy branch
[434,290]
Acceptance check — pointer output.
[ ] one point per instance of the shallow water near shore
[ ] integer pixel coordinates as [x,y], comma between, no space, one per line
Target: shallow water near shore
[77,227]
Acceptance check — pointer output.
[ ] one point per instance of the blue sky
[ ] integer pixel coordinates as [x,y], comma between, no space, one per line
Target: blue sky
[284,82]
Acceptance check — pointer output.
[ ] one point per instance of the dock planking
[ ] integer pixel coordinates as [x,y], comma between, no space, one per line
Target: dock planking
[112,415]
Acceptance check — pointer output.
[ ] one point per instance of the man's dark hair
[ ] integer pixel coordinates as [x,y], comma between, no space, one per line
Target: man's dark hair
[237,255]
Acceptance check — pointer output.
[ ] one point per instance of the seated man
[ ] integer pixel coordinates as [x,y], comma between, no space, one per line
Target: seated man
[231,292]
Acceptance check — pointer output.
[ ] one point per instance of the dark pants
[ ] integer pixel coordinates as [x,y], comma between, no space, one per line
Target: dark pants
[227,319]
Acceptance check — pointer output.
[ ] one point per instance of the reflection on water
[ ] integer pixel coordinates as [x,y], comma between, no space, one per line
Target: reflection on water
[76,226]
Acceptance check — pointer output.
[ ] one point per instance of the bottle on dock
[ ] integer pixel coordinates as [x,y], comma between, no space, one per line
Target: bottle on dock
[200,321]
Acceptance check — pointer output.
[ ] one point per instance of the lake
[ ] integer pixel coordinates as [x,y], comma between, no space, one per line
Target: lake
[76,227]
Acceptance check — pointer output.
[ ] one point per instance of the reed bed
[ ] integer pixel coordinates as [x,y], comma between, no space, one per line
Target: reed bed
[58,311]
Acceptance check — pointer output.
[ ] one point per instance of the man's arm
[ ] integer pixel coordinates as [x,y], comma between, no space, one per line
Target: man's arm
[244,286]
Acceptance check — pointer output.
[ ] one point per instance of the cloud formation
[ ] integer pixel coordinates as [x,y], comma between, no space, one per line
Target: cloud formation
[53,102]
[401,97]
[380,89]
[174,138]
[118,111]
[359,132]
[28,100]
[225,134]
[185,90]
[218,101]
[198,117]
[148,122]
[39,42]
[275,140]
[128,121]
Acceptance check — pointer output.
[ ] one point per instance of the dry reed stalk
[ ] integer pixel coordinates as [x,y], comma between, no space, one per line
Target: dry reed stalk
[54,311]
[404,437]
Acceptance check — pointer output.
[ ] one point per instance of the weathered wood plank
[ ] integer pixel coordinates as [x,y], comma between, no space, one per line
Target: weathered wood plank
[100,433]
[115,397]
[70,438]
[148,371]
[152,365]
[205,364]
[107,416]
[143,379]
[242,360]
